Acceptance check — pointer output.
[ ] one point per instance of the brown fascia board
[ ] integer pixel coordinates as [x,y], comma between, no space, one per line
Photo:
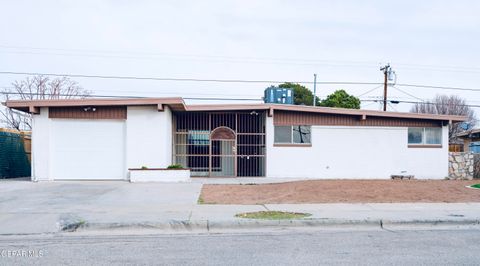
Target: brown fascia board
[226,107]
[34,105]
[177,104]
[363,114]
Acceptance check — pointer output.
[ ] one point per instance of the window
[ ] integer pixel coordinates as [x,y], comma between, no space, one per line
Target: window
[415,135]
[283,134]
[301,134]
[198,137]
[292,135]
[433,136]
[425,136]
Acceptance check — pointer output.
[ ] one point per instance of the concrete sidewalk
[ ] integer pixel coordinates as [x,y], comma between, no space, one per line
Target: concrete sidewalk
[53,207]
[219,218]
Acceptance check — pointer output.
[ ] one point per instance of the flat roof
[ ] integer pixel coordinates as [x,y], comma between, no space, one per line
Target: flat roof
[178,104]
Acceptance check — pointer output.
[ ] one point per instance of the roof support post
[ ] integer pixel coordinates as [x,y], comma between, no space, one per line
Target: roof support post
[270,112]
[33,110]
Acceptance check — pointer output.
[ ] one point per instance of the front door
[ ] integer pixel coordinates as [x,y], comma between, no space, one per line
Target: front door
[223,153]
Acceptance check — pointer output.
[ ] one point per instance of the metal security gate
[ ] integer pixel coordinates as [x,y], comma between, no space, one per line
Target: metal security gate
[228,144]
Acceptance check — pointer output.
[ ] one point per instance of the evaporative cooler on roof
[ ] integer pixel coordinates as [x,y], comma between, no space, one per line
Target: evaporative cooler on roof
[278,95]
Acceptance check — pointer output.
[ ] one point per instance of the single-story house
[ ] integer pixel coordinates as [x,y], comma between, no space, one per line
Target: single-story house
[101,139]
[471,140]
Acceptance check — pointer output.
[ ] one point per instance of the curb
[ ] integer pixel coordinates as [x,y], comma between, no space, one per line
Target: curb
[431,224]
[206,226]
[270,224]
[171,225]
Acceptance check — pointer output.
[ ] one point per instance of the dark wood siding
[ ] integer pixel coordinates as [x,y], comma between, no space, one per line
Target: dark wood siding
[302,118]
[101,112]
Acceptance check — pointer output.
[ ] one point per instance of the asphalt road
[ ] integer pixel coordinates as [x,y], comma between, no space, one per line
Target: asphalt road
[287,248]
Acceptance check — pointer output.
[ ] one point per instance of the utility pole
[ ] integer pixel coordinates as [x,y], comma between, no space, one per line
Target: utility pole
[314,89]
[387,71]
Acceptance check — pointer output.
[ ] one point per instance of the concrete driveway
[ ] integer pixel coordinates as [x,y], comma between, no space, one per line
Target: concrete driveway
[56,207]
[28,207]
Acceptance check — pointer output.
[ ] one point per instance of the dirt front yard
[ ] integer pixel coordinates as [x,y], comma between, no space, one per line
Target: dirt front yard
[343,191]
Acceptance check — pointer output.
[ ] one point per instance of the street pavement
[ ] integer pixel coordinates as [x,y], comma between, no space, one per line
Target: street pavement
[53,207]
[376,247]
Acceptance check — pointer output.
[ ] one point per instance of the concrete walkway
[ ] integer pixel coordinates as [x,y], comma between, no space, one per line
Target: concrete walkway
[52,207]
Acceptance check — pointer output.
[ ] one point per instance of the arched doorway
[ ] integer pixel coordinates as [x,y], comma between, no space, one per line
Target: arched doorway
[214,144]
[223,152]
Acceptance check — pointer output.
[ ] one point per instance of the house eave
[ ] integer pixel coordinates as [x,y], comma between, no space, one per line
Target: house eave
[177,104]
[32,106]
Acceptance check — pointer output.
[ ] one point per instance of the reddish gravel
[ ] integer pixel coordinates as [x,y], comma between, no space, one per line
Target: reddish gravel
[343,191]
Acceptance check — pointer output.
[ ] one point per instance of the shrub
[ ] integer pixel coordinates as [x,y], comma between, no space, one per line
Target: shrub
[175,166]
[144,167]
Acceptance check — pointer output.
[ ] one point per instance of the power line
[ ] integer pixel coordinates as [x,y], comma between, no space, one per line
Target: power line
[437,87]
[211,60]
[367,92]
[218,99]
[391,106]
[125,96]
[414,102]
[113,53]
[230,80]
[163,93]
[411,95]
[240,59]
[368,104]
[69,95]
[186,79]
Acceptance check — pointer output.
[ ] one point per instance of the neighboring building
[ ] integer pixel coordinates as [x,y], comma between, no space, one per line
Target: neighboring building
[103,138]
[471,140]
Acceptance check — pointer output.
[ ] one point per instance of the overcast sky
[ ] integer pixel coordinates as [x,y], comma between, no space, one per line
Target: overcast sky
[426,42]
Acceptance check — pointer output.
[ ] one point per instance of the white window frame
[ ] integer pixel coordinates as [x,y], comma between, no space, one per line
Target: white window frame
[424,138]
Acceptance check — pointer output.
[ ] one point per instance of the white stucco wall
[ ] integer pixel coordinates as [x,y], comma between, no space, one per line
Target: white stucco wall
[336,152]
[356,152]
[149,137]
[146,139]
[41,146]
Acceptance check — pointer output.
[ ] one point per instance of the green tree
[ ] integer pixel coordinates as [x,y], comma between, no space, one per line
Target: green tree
[341,99]
[302,95]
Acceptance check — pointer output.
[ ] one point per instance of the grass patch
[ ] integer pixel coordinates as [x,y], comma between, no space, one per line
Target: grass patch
[273,215]
[200,200]
[475,186]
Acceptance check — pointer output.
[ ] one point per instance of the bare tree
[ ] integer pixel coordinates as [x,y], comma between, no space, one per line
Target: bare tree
[37,88]
[448,105]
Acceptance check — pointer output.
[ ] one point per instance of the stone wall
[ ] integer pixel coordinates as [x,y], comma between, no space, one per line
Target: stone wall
[476,165]
[461,165]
